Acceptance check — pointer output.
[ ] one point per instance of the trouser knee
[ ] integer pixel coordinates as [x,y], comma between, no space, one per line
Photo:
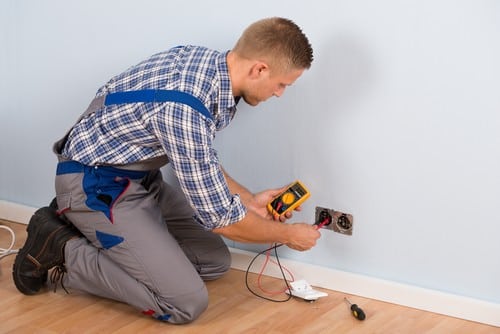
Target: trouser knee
[219,265]
[186,308]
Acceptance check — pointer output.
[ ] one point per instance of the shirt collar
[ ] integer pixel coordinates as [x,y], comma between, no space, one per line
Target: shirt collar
[226,108]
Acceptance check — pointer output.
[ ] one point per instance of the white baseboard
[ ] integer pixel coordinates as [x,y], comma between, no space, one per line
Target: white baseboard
[15,212]
[360,285]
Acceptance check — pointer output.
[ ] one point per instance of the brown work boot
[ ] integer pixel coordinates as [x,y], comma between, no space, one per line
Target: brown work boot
[43,250]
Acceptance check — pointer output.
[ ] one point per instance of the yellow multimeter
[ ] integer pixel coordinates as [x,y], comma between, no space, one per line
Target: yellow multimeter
[288,200]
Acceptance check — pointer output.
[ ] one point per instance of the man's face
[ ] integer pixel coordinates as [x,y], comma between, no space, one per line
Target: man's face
[265,84]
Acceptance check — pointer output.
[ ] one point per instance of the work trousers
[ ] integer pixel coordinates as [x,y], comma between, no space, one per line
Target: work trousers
[142,245]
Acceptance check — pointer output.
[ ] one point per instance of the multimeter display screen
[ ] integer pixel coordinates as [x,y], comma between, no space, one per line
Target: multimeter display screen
[288,198]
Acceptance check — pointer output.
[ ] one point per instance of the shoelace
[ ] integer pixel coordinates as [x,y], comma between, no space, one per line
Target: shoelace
[57,275]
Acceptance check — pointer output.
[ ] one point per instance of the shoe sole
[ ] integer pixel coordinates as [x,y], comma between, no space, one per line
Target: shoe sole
[33,232]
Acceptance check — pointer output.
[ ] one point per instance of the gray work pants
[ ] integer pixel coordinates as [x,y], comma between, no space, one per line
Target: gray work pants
[142,245]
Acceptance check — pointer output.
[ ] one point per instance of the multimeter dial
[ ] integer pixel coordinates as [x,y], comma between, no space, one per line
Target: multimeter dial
[288,198]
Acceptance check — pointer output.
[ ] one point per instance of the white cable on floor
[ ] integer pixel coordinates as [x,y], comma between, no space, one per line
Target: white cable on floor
[8,251]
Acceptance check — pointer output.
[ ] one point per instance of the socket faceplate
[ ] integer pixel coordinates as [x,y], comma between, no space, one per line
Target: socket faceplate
[341,222]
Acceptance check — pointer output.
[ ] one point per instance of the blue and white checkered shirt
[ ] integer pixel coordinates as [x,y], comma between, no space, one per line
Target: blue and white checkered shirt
[129,133]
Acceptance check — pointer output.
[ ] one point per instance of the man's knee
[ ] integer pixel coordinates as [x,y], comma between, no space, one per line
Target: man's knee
[218,265]
[184,308]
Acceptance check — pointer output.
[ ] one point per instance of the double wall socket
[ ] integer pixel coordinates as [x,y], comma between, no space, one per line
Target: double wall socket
[339,222]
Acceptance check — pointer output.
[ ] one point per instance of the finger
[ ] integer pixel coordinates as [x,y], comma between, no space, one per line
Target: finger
[276,192]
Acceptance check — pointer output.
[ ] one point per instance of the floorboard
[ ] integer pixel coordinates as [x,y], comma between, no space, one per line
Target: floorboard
[232,309]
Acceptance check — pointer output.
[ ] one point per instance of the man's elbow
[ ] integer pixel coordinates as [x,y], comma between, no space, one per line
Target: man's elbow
[223,231]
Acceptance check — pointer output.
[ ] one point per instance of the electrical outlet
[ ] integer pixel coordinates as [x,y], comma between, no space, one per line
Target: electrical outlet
[337,221]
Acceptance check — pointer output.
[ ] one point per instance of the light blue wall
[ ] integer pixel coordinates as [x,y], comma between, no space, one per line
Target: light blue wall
[397,122]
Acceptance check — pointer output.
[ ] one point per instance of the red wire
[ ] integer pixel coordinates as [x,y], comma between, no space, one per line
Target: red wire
[268,258]
[259,277]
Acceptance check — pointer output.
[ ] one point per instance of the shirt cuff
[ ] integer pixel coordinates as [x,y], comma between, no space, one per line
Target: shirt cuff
[236,212]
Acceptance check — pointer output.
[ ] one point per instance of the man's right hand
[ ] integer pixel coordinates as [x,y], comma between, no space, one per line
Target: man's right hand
[302,236]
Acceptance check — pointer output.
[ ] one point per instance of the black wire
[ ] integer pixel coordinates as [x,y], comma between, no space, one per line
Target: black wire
[275,247]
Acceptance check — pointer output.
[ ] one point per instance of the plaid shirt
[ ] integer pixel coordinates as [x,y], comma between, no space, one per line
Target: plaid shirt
[128,133]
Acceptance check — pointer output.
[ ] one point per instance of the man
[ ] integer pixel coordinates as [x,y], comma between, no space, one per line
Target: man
[145,242]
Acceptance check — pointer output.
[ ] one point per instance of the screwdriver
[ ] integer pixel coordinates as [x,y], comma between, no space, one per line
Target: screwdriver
[356,311]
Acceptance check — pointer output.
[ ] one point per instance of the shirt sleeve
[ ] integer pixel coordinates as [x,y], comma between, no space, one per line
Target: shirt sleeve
[187,138]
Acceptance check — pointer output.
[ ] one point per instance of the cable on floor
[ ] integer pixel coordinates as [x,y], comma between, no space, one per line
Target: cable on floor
[8,251]
[282,269]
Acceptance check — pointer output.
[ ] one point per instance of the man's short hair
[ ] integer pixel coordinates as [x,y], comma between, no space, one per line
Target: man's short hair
[277,41]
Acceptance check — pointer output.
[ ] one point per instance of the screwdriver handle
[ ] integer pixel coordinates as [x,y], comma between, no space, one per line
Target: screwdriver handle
[356,311]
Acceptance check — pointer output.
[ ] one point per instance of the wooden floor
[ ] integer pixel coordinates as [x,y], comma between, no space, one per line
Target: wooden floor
[232,309]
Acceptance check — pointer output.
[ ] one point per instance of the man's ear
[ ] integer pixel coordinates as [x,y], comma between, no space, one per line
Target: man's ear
[258,70]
